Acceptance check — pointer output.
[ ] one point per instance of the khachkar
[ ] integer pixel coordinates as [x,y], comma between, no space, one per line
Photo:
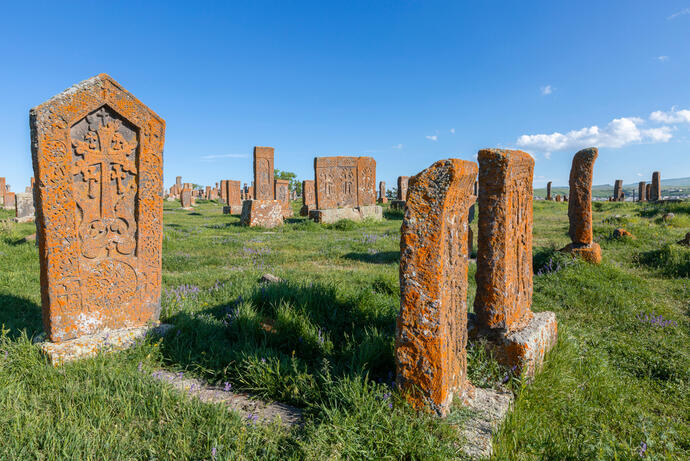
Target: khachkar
[431,330]
[308,197]
[382,193]
[98,160]
[656,187]
[262,209]
[186,197]
[224,191]
[642,192]
[24,207]
[282,195]
[401,195]
[548,190]
[518,337]
[580,207]
[2,191]
[345,188]
[232,197]
[618,195]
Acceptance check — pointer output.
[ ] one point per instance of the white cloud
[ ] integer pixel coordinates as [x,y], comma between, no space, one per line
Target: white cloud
[545,90]
[219,156]
[547,155]
[662,58]
[618,133]
[397,146]
[672,116]
[639,174]
[679,13]
[452,131]
[432,137]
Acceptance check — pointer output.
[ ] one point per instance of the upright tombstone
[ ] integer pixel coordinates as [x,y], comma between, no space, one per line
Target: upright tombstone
[548,190]
[345,188]
[618,194]
[648,191]
[10,200]
[282,194]
[2,191]
[308,197]
[224,191]
[642,191]
[656,187]
[24,207]
[401,196]
[98,161]
[186,198]
[517,336]
[207,193]
[232,194]
[580,207]
[431,330]
[558,197]
[263,173]
[382,192]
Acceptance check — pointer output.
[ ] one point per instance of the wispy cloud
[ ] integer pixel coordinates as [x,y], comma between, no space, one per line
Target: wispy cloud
[679,13]
[547,155]
[671,117]
[546,90]
[662,58]
[432,137]
[221,156]
[397,146]
[452,131]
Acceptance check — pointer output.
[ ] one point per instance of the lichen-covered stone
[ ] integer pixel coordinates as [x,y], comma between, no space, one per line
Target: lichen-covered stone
[98,161]
[282,193]
[263,186]
[382,193]
[24,207]
[262,213]
[402,188]
[620,233]
[656,187]
[642,192]
[504,250]
[431,326]
[186,198]
[333,215]
[618,191]
[686,240]
[344,182]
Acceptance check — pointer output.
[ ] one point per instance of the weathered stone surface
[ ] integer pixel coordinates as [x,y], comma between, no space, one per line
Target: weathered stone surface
[656,186]
[270,278]
[282,193]
[648,192]
[344,182]
[308,197]
[558,197]
[24,207]
[2,191]
[232,209]
[98,159]
[10,198]
[618,190]
[263,174]
[488,408]
[232,195]
[224,191]
[332,215]
[621,233]
[402,187]
[262,213]
[431,330]
[548,190]
[382,193]
[580,207]
[504,254]
[642,192]
[186,198]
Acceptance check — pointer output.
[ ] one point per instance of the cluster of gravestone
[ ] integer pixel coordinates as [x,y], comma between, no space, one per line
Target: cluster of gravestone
[557,198]
[22,202]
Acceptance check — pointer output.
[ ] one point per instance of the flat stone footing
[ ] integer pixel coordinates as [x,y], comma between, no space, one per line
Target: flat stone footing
[374,212]
[262,213]
[398,204]
[232,209]
[525,348]
[304,211]
[489,408]
[590,253]
[92,345]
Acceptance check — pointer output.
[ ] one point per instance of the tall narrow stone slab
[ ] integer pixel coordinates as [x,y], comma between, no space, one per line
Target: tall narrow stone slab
[224,191]
[366,181]
[382,192]
[402,187]
[431,330]
[24,207]
[580,207]
[618,190]
[98,161]
[2,191]
[263,173]
[308,197]
[656,187]
[186,198]
[642,192]
[10,200]
[232,194]
[548,190]
[282,193]
[648,191]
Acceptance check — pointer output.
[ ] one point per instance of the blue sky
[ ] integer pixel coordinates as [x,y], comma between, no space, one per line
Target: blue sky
[406,82]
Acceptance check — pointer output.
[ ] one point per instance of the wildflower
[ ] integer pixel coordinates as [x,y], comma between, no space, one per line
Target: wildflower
[390,405]
[140,366]
[263,360]
[227,387]
[213,453]
[642,450]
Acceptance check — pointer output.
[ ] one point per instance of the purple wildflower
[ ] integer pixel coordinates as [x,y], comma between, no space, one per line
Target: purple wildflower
[227,387]
[642,450]
[213,453]
[140,366]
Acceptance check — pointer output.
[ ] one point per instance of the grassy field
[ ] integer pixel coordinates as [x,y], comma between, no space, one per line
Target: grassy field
[615,387]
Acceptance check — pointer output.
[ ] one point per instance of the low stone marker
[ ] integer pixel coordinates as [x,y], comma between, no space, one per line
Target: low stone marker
[262,213]
[431,327]
[558,197]
[98,149]
[518,337]
[580,207]
[656,187]
[24,207]
[308,197]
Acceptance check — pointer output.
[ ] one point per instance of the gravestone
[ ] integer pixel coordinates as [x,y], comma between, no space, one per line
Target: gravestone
[24,207]
[656,187]
[308,198]
[263,173]
[558,197]
[186,198]
[366,181]
[382,193]
[2,191]
[282,193]
[224,191]
[548,190]
[580,207]
[262,213]
[618,190]
[98,159]
[503,300]
[642,191]
[401,196]
[232,194]
[9,200]
[431,331]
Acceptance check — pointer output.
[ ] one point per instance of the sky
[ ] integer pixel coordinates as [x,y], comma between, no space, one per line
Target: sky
[407,82]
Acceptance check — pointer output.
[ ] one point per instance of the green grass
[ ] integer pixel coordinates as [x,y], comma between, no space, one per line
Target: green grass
[323,340]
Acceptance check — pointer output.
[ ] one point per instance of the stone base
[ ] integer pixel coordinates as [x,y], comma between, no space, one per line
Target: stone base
[398,204]
[489,408]
[524,349]
[24,219]
[383,200]
[232,209]
[304,211]
[262,213]
[590,253]
[92,345]
[287,210]
[334,215]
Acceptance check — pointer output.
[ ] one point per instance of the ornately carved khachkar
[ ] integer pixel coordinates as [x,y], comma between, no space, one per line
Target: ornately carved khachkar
[98,161]
[431,332]
[502,304]
[262,210]
[580,207]
[263,173]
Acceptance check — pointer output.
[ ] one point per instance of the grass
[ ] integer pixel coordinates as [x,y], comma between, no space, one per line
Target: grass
[323,340]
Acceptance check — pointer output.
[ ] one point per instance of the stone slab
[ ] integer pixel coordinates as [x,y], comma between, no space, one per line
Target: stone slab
[262,213]
[489,409]
[334,215]
[398,204]
[101,342]
[232,209]
[590,253]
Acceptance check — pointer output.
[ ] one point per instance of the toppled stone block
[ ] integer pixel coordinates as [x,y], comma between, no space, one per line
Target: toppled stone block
[262,213]
[270,278]
[334,215]
[622,233]
[587,252]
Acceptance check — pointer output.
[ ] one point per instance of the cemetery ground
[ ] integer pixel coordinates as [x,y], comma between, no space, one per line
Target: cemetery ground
[616,385]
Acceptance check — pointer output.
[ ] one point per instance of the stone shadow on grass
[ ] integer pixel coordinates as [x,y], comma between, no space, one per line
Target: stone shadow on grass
[380,257]
[20,314]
